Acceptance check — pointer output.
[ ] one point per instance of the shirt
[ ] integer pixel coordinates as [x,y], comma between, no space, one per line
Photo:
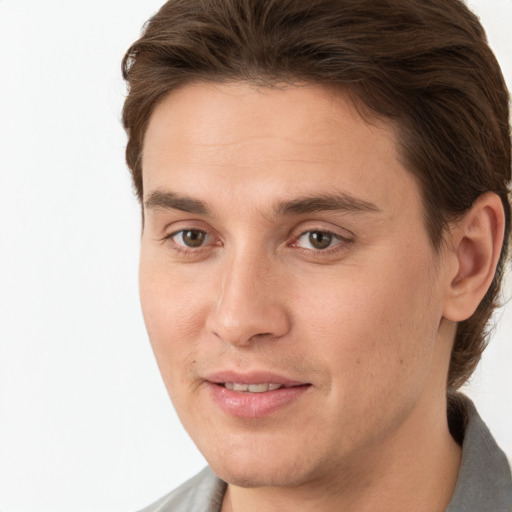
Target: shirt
[484,483]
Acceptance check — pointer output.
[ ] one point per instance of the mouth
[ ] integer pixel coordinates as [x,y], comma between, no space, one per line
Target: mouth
[253,388]
[253,382]
[254,395]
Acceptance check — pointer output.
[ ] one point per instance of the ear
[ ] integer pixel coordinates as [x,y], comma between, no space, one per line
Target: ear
[475,243]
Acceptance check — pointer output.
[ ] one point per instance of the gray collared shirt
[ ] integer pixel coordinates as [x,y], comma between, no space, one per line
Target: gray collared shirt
[484,483]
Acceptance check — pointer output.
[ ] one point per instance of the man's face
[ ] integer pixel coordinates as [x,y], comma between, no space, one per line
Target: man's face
[288,285]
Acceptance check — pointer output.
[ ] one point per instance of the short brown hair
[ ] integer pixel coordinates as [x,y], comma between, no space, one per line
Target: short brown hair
[423,64]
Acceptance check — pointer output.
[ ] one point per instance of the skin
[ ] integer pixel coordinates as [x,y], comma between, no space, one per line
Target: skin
[368,322]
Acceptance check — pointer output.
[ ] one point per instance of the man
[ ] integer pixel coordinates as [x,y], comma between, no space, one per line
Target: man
[325,225]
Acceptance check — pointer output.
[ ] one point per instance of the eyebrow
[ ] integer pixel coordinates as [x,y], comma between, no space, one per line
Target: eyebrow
[170,200]
[340,201]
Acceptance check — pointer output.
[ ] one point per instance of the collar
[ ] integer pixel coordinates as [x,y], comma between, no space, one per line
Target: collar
[485,481]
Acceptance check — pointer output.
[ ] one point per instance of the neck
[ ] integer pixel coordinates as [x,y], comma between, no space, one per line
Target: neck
[415,470]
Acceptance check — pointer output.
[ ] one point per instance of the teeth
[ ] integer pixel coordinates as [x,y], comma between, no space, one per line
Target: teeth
[251,388]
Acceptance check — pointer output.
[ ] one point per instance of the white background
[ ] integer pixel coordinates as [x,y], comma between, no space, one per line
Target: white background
[85,423]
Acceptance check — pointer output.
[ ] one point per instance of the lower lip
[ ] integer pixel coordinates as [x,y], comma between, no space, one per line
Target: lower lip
[254,405]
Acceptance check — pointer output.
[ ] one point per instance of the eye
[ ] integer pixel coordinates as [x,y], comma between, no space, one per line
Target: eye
[318,240]
[190,238]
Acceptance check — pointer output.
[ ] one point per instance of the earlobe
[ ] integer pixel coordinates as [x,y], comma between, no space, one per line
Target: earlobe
[476,241]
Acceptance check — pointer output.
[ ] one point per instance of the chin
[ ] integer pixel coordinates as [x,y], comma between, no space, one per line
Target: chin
[264,476]
[262,468]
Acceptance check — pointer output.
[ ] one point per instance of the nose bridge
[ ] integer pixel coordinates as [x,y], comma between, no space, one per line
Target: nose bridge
[247,302]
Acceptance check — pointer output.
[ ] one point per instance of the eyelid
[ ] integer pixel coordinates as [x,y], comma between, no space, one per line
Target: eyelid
[175,228]
[184,230]
[344,238]
[171,236]
[324,227]
[334,235]
[172,228]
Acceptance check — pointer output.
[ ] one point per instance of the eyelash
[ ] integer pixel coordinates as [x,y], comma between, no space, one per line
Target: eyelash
[184,250]
[342,243]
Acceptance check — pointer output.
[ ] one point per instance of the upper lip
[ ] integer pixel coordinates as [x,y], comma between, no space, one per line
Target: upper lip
[253,377]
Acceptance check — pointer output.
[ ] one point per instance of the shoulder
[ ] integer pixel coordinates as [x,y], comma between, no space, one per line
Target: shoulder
[202,493]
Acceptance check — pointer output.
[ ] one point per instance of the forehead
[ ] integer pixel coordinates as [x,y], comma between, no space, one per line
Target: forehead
[289,140]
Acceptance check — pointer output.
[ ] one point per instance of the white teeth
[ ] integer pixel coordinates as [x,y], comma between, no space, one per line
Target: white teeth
[251,388]
[271,387]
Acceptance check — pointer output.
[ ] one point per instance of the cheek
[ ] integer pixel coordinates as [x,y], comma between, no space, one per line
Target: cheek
[374,327]
[173,310]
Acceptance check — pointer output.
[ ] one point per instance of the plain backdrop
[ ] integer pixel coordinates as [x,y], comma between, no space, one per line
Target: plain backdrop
[85,422]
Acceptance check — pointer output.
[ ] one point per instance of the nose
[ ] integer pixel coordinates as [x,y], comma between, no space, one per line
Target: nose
[248,303]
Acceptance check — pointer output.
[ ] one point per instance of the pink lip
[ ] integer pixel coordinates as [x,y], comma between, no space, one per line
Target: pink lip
[256,377]
[254,405]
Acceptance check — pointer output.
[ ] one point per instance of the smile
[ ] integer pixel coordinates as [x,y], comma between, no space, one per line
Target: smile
[252,388]
[256,395]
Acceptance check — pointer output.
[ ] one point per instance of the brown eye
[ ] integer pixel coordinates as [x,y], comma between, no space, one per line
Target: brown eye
[317,240]
[190,237]
[320,239]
